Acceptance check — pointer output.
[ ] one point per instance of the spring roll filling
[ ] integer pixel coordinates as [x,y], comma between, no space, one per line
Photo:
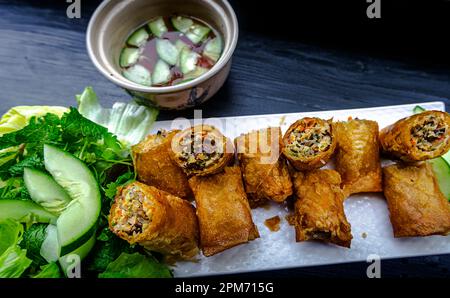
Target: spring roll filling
[430,134]
[134,214]
[199,151]
[309,139]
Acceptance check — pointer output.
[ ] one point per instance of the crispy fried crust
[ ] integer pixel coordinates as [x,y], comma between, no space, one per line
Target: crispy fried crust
[308,163]
[223,211]
[154,166]
[222,143]
[319,209]
[357,158]
[417,206]
[265,173]
[397,141]
[172,229]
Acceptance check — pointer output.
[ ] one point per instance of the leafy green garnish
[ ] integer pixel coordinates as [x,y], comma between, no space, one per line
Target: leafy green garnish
[100,138]
[107,248]
[50,270]
[32,241]
[111,188]
[14,189]
[135,265]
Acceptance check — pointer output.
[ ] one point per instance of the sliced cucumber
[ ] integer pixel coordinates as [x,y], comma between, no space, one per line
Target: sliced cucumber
[188,60]
[158,27]
[182,24]
[161,73]
[442,171]
[81,252]
[25,211]
[180,45]
[197,33]
[213,49]
[441,166]
[78,221]
[138,38]
[167,51]
[138,74]
[45,191]
[50,247]
[418,109]
[129,56]
[194,74]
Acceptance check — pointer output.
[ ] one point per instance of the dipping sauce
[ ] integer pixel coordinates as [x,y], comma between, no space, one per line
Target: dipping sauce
[170,50]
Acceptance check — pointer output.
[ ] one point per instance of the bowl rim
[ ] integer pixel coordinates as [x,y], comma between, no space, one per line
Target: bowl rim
[221,63]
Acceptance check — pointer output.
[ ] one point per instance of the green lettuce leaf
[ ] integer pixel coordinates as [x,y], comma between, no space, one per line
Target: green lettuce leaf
[50,270]
[135,265]
[18,117]
[14,262]
[131,122]
[10,234]
[13,259]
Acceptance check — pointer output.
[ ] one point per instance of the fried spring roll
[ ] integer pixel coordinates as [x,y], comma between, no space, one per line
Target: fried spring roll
[357,158]
[309,143]
[154,166]
[155,219]
[265,172]
[417,206]
[201,150]
[419,137]
[223,211]
[319,209]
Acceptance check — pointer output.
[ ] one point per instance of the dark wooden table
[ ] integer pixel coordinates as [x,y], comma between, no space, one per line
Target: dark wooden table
[315,57]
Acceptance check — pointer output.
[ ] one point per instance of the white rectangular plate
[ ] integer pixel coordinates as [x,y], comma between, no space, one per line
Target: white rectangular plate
[367,213]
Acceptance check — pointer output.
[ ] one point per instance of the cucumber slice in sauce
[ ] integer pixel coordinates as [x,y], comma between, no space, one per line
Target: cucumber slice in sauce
[138,38]
[161,73]
[50,247]
[78,221]
[180,45]
[129,56]
[138,74]
[194,74]
[197,33]
[213,49]
[182,24]
[441,166]
[158,27]
[188,60]
[167,51]
[45,191]
[25,211]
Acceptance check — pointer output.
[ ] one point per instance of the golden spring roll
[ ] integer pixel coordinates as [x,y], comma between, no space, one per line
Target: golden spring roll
[265,172]
[154,166]
[223,211]
[156,220]
[309,143]
[419,137]
[357,158]
[201,150]
[319,209]
[417,207]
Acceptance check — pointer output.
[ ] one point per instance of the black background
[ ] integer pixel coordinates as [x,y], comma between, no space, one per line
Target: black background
[292,56]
